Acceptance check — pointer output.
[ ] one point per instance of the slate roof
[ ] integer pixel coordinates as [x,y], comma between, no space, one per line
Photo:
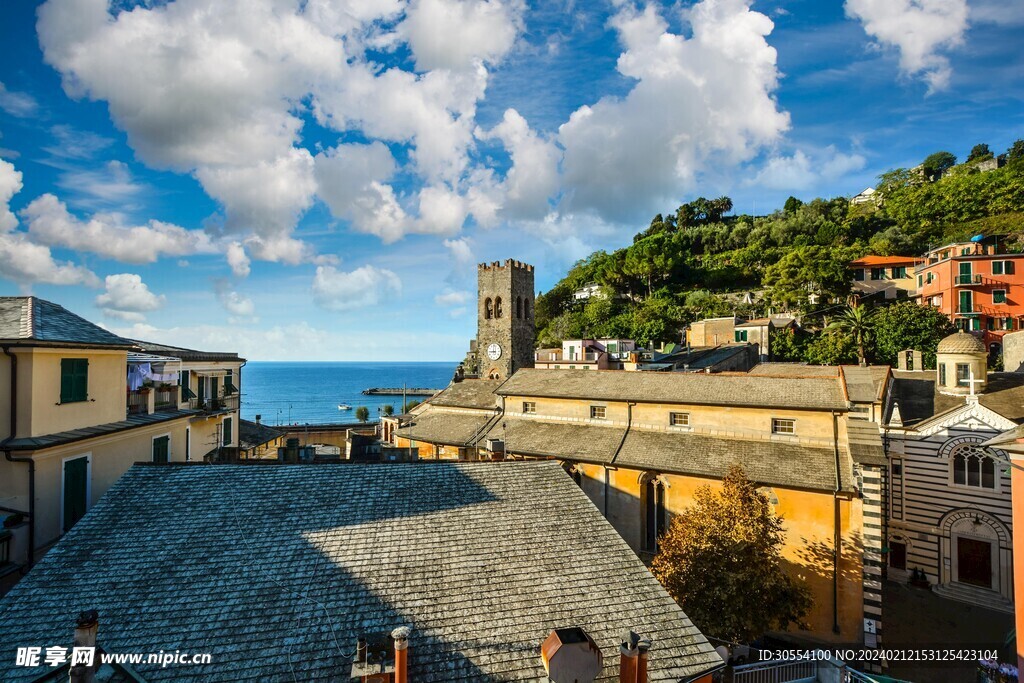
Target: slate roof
[264,569]
[865,442]
[914,392]
[446,427]
[865,384]
[739,389]
[253,435]
[781,463]
[794,370]
[32,321]
[469,393]
[186,354]
[34,443]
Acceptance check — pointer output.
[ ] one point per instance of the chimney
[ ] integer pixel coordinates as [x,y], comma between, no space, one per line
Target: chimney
[570,655]
[633,659]
[401,638]
[85,636]
[258,419]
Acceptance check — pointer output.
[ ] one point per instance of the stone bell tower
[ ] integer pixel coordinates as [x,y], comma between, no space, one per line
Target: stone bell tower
[505,330]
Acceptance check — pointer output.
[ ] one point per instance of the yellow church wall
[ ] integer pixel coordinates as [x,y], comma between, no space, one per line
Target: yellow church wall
[809,523]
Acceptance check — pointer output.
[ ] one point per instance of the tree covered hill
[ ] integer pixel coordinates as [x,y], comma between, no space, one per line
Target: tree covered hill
[696,261]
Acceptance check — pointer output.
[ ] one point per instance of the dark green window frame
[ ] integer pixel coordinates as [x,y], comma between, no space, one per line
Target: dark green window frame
[226,431]
[999,296]
[74,380]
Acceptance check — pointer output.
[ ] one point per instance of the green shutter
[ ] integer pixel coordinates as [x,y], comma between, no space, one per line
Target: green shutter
[161,449]
[1008,267]
[76,487]
[74,380]
[227,431]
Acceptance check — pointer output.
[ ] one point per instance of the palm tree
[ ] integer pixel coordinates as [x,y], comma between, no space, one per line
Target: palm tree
[856,321]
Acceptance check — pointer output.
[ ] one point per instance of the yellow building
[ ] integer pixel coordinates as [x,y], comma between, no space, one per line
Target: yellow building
[640,444]
[79,405]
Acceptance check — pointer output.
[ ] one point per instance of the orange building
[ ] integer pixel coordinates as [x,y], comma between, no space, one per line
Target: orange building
[890,277]
[981,290]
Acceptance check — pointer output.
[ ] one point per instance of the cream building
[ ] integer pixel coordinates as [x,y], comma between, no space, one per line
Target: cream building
[79,405]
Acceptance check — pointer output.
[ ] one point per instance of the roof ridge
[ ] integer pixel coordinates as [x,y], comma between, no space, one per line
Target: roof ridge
[29,329]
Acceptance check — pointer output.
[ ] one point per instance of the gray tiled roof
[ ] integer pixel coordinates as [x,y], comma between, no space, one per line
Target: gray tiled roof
[865,384]
[34,443]
[276,570]
[865,442]
[782,463]
[469,393]
[32,320]
[740,389]
[186,354]
[914,392]
[445,427]
[776,369]
[252,434]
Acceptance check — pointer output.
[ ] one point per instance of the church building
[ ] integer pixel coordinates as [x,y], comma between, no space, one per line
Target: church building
[505,329]
[948,496]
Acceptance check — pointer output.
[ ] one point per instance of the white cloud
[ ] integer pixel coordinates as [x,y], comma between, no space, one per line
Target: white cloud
[461,251]
[127,297]
[368,285]
[351,180]
[456,34]
[15,103]
[72,143]
[286,250]
[699,103]
[26,263]
[111,183]
[10,185]
[533,178]
[234,303]
[919,29]
[804,171]
[106,234]
[238,259]
[452,298]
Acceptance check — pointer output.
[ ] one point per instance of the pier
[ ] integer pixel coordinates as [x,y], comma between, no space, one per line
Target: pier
[389,391]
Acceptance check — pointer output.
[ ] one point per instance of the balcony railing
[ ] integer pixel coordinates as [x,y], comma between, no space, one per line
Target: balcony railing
[967,280]
[166,398]
[210,405]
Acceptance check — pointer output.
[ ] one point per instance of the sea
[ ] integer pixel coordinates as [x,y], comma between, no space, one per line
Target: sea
[309,392]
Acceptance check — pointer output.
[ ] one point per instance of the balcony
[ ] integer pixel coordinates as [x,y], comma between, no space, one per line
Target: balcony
[152,399]
[967,280]
[215,405]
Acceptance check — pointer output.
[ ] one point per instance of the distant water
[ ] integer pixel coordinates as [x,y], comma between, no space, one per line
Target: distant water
[310,392]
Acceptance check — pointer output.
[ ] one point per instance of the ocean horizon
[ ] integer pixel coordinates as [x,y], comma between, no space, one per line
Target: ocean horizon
[309,392]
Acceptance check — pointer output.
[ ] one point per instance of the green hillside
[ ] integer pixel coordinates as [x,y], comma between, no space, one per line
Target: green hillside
[697,261]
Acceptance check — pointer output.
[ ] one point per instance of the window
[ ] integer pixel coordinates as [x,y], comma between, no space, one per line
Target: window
[966,302]
[963,374]
[161,449]
[227,431]
[990,323]
[920,280]
[741,335]
[942,374]
[488,308]
[899,272]
[519,307]
[1007,323]
[897,468]
[613,347]
[497,307]
[229,384]
[597,412]
[679,419]
[74,380]
[897,555]
[931,276]
[878,273]
[529,407]
[858,274]
[654,521]
[783,426]
[999,296]
[526,308]
[1002,267]
[973,467]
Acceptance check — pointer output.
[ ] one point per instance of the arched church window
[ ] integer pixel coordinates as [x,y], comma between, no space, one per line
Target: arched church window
[652,497]
[972,466]
[488,308]
[497,307]
[526,308]
[519,307]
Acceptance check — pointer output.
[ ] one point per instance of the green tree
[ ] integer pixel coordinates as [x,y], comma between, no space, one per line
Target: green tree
[721,560]
[789,345]
[979,152]
[791,205]
[809,270]
[389,410]
[938,163]
[831,347]
[856,321]
[362,413]
[410,405]
[907,325]
[1016,152]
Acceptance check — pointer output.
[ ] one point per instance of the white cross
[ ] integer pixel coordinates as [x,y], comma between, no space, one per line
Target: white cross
[973,381]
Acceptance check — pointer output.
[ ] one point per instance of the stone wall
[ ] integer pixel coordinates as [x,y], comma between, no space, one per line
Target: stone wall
[1013,351]
[505,316]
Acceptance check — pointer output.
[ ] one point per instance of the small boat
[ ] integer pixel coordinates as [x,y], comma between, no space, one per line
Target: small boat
[344,406]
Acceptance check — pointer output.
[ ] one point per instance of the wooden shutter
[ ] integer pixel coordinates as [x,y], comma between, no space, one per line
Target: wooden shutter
[227,431]
[74,379]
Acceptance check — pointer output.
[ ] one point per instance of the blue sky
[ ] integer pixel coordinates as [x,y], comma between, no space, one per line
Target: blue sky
[317,179]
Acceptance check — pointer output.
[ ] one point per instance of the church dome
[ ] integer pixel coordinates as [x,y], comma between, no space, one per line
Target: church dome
[961,342]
